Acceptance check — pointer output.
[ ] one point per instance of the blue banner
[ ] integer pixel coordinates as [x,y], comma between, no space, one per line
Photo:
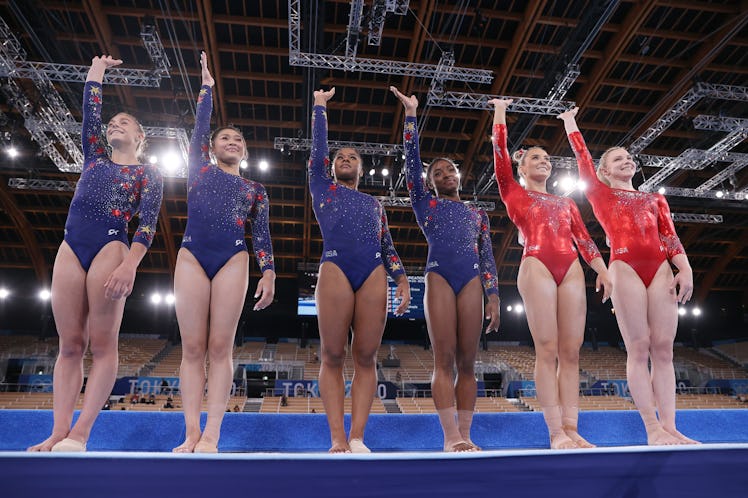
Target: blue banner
[36,383]
[310,388]
[146,385]
[516,385]
[730,386]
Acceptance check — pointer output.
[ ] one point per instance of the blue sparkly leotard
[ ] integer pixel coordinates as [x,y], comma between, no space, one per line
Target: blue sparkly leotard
[354,225]
[457,233]
[108,195]
[219,203]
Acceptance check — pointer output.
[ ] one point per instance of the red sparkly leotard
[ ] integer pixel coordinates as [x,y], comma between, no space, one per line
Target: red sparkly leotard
[550,225]
[638,224]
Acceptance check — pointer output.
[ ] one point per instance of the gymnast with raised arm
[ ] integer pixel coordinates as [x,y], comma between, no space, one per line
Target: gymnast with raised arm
[212,272]
[94,270]
[358,253]
[645,293]
[460,269]
[550,278]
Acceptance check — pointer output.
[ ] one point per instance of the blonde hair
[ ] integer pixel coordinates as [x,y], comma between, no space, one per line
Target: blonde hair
[519,156]
[601,163]
[140,150]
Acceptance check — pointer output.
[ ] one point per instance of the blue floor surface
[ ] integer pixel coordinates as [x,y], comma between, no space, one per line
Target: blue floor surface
[284,456]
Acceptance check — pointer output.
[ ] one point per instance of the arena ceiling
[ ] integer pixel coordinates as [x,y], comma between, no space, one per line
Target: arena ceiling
[667,78]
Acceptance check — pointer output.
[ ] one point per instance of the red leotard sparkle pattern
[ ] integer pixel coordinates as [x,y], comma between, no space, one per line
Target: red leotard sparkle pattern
[550,225]
[638,224]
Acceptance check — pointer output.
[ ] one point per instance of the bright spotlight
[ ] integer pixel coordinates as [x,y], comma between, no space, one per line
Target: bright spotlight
[243,164]
[385,172]
[696,311]
[12,152]
[263,165]
[171,162]
[153,159]
[169,299]
[509,308]
[44,294]
[4,293]
[567,183]
[720,194]
[681,311]
[555,184]
[518,308]
[371,172]
[661,191]
[156,298]
[581,185]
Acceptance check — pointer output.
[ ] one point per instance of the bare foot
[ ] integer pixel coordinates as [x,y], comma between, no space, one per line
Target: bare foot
[460,447]
[188,446]
[561,441]
[47,444]
[340,447]
[206,447]
[357,446]
[577,438]
[69,445]
[471,443]
[684,439]
[207,444]
[659,436]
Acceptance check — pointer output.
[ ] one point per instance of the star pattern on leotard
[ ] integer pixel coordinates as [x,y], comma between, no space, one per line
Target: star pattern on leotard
[455,230]
[220,203]
[352,223]
[109,193]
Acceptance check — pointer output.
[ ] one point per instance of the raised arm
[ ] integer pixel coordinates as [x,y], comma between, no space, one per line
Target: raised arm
[413,165]
[584,158]
[200,142]
[319,158]
[502,161]
[263,248]
[91,137]
[99,65]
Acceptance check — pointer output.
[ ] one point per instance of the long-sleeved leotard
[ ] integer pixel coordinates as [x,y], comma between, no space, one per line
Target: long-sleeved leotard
[638,224]
[458,234]
[355,235]
[108,195]
[550,225]
[219,203]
